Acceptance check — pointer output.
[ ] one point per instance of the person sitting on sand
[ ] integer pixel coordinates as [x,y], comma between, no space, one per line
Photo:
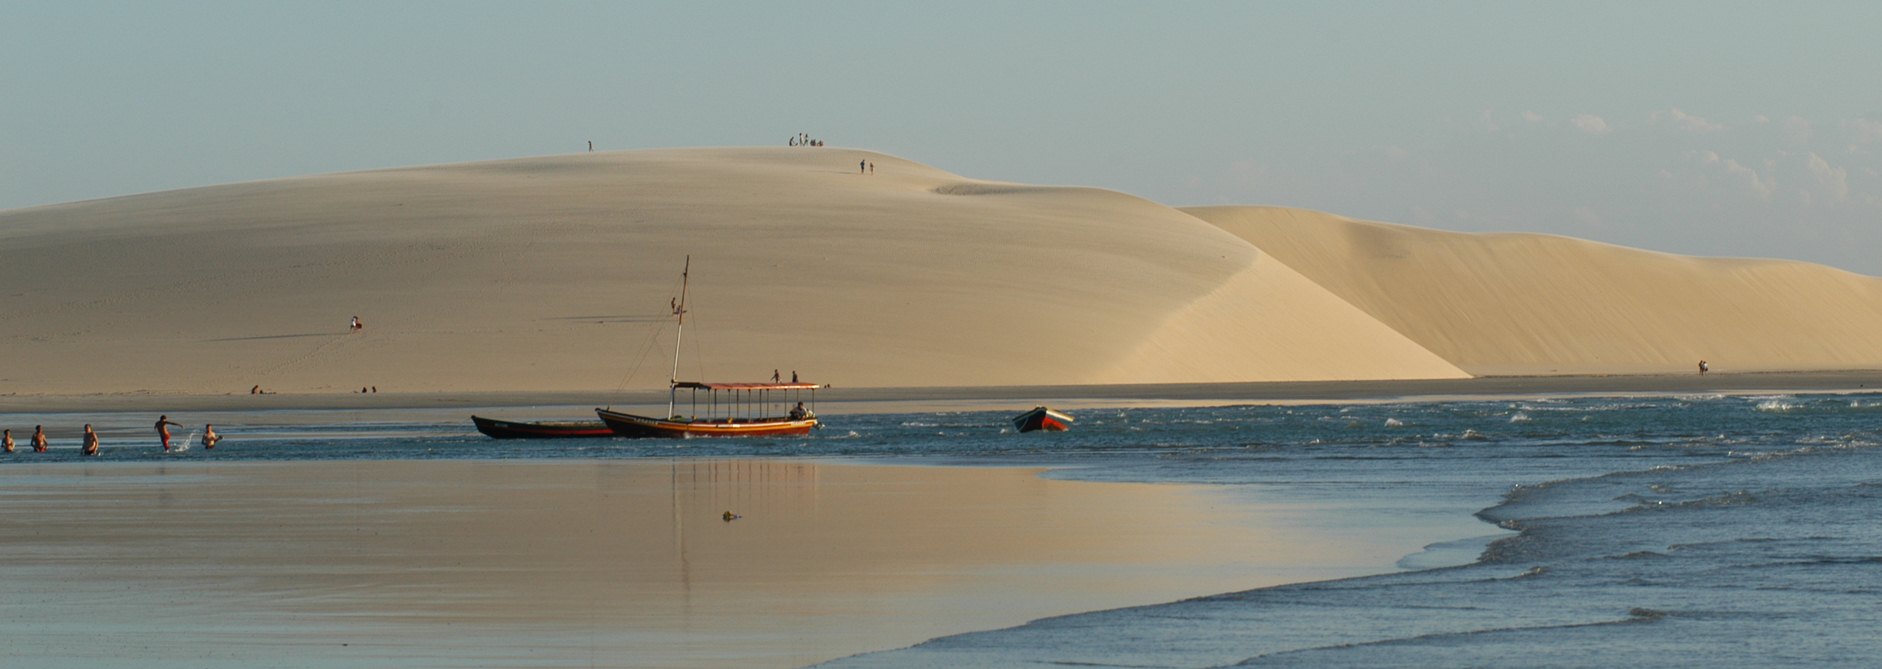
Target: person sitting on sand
[209,436]
[6,440]
[91,441]
[39,439]
[163,430]
[356,326]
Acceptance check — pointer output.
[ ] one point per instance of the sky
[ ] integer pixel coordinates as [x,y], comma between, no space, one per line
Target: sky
[1705,128]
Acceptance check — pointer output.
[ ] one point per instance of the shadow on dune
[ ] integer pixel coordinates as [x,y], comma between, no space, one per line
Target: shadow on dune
[284,336]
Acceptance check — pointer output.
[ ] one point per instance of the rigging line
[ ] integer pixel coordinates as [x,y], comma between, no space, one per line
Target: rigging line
[653,339]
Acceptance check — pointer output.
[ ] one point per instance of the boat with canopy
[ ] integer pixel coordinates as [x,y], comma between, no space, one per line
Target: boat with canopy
[728,409]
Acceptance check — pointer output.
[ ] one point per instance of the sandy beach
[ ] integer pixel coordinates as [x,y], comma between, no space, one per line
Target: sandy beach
[624,563]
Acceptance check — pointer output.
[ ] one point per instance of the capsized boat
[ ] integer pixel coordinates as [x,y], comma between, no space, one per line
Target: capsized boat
[1041,418]
[754,409]
[507,429]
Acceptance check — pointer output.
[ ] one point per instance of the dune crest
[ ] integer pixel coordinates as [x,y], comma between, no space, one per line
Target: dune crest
[1541,304]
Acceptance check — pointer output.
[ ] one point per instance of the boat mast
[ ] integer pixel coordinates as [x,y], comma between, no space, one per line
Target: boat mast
[679,311]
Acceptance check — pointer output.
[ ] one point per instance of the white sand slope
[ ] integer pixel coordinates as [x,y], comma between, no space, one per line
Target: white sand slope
[556,273]
[1537,304]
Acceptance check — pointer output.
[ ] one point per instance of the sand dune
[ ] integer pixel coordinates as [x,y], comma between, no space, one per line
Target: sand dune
[556,274]
[1538,304]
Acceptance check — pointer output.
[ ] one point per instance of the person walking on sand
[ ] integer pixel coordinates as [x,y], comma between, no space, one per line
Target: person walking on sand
[862,167]
[209,436]
[163,430]
[872,167]
[1703,367]
[6,440]
[793,376]
[91,441]
[39,439]
[774,376]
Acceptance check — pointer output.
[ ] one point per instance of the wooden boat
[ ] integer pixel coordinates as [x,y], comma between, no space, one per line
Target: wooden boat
[1041,418]
[730,409]
[505,429]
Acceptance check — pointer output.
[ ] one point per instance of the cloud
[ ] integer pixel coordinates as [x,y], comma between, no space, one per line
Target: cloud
[1796,130]
[1834,180]
[1735,172]
[1591,124]
[1685,121]
[1865,130]
[1533,117]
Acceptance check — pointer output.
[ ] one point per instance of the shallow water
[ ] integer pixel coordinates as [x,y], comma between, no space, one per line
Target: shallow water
[1678,531]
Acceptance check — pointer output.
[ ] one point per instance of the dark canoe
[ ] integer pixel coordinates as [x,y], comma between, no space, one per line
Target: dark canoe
[630,425]
[1041,418]
[504,429]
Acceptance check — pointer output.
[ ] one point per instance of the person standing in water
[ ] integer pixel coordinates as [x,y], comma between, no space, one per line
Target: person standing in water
[91,441]
[209,436]
[39,439]
[6,440]
[163,430]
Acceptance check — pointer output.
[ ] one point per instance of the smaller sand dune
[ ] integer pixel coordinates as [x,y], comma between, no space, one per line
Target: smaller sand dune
[1539,304]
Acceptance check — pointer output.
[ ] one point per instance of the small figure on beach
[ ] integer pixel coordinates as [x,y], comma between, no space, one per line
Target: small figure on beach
[163,430]
[39,439]
[774,376]
[729,516]
[793,376]
[862,167]
[1703,367]
[209,436]
[255,389]
[799,412]
[591,146]
[872,167]
[356,326]
[91,442]
[6,440]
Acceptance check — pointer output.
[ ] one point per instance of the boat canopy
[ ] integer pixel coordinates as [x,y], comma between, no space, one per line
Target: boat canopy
[703,385]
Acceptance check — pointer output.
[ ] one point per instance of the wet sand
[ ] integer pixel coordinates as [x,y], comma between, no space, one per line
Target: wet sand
[605,563]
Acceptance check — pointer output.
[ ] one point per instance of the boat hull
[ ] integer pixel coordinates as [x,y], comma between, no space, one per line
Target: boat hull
[505,429]
[1042,419]
[644,427]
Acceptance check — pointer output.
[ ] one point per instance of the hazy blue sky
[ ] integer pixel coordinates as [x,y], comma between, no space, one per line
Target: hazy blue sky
[1697,127]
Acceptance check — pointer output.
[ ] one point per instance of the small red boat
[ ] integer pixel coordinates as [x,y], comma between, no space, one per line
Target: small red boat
[1041,418]
[505,429]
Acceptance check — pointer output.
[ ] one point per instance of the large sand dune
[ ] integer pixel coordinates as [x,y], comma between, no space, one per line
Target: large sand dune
[1539,304]
[556,274]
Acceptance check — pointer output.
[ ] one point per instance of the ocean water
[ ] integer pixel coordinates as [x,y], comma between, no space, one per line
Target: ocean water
[1722,531]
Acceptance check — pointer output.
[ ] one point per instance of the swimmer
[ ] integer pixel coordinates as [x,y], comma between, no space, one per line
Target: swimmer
[209,436]
[91,441]
[39,439]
